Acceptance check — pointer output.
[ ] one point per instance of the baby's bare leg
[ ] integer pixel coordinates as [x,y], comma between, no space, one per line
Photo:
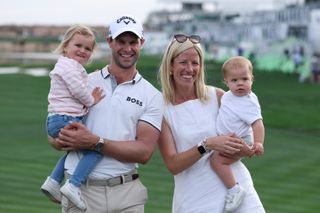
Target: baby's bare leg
[221,165]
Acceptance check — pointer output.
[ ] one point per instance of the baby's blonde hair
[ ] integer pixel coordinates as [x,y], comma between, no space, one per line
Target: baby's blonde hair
[76,29]
[236,61]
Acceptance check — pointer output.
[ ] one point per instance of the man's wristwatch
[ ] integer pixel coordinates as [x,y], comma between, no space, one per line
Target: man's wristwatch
[202,148]
[98,147]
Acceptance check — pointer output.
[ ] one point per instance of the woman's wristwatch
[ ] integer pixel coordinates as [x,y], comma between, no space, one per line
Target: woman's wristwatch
[202,148]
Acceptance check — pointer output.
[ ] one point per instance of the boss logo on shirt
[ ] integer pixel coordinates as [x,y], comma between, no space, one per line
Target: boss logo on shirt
[135,101]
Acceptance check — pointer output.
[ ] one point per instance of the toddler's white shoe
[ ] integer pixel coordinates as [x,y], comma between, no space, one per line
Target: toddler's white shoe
[73,193]
[51,189]
[234,199]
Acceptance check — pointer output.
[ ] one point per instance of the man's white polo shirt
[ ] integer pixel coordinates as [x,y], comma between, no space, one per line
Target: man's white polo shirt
[116,117]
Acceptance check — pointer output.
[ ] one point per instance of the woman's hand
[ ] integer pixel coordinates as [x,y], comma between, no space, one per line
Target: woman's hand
[225,144]
[76,136]
[245,151]
[230,146]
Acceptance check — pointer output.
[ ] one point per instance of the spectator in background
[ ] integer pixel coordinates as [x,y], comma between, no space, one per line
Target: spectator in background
[240,51]
[315,68]
[286,53]
[297,60]
[252,57]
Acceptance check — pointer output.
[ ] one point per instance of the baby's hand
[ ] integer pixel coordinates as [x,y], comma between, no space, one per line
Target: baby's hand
[258,149]
[97,94]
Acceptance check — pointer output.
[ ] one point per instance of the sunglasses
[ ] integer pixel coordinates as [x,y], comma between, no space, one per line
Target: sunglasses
[181,38]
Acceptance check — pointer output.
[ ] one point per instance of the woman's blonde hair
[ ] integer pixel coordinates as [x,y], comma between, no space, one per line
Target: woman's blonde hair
[166,79]
[76,29]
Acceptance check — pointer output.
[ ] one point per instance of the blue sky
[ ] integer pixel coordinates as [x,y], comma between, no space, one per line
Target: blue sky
[97,12]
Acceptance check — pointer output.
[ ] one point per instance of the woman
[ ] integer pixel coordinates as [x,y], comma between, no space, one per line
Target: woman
[189,133]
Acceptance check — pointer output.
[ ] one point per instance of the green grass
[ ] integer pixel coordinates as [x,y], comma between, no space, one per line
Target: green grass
[286,177]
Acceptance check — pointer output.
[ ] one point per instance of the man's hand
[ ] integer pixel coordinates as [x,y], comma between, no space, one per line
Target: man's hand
[54,143]
[76,136]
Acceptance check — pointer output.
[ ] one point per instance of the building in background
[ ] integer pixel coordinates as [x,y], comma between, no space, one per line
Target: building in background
[224,32]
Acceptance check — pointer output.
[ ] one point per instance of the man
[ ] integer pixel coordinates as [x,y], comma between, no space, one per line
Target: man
[124,127]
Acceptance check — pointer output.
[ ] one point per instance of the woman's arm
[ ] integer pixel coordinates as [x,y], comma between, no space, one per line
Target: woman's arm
[175,162]
[178,162]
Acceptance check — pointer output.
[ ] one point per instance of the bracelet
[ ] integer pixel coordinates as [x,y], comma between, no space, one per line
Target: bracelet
[204,142]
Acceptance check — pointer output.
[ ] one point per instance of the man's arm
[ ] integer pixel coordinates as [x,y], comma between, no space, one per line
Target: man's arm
[138,151]
[76,136]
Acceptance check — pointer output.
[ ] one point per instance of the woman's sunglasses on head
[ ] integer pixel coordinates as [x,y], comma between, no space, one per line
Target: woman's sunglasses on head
[181,38]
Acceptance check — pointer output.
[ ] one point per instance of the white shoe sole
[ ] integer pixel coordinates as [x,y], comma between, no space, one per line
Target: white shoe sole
[65,192]
[236,204]
[51,194]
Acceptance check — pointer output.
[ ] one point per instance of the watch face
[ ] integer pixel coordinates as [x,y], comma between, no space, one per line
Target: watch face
[98,147]
[201,149]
